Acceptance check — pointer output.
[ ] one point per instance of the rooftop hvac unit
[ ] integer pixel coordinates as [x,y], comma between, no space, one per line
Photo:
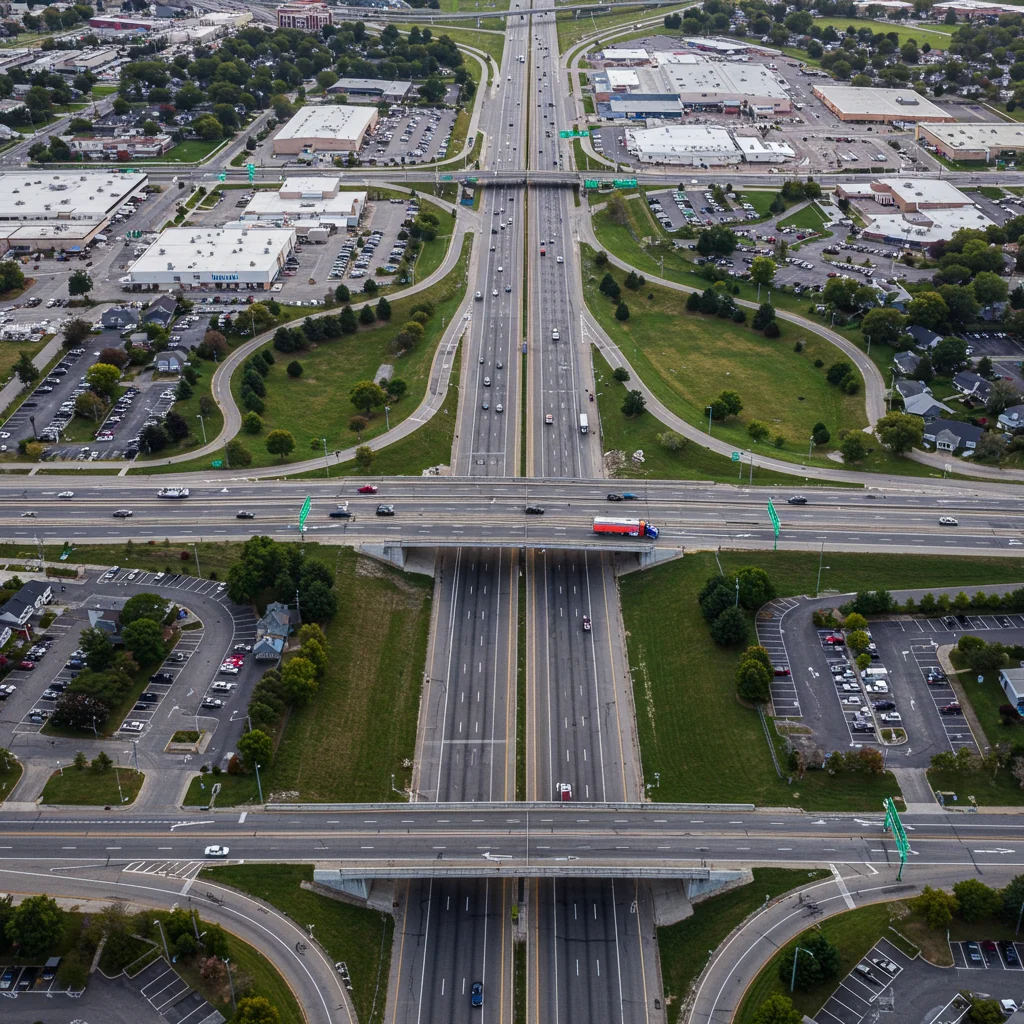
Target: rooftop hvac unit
[252,263]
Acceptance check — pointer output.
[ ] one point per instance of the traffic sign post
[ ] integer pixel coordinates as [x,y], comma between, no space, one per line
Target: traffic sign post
[217,463]
[304,513]
[895,826]
[774,517]
[624,182]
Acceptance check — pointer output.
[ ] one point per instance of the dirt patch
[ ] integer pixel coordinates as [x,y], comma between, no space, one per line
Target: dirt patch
[372,569]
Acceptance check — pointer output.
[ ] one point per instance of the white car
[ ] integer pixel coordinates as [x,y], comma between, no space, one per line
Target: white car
[891,716]
[132,727]
[217,851]
[948,521]
[228,669]
[66,494]
[559,260]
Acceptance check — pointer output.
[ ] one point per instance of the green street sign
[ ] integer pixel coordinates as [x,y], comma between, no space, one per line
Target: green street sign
[565,135]
[895,826]
[591,183]
[624,182]
[446,177]
[217,463]
[774,517]
[222,176]
[304,512]
[574,134]
[735,456]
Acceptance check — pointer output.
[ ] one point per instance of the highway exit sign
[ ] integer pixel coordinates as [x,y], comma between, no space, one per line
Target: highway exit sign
[304,512]
[574,134]
[624,182]
[774,517]
[590,183]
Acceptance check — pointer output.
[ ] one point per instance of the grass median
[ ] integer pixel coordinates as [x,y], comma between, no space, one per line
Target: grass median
[360,937]
[90,787]
[692,729]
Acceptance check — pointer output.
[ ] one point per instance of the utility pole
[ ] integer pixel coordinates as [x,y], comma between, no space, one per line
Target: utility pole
[327,465]
[298,609]
[196,551]
[231,984]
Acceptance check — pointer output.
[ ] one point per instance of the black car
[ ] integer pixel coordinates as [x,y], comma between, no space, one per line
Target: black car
[161,677]
[884,705]
[343,513]
[863,727]
[963,620]
[385,510]
[615,497]
[149,698]
[951,709]
[245,515]
[1009,952]
[534,510]
[123,513]
[797,499]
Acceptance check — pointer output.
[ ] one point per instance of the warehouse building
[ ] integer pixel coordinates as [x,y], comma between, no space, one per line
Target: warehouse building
[912,195]
[918,230]
[335,129]
[683,145]
[306,200]
[979,142]
[371,90]
[705,85]
[879,106]
[973,9]
[62,210]
[234,258]
[756,151]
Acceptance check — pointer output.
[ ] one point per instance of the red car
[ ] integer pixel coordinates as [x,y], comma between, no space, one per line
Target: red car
[367,489]
[836,641]
[26,665]
[781,671]
[234,659]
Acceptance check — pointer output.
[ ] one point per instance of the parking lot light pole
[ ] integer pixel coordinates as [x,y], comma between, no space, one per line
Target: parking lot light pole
[796,954]
[821,557]
[259,785]
[810,445]
[202,423]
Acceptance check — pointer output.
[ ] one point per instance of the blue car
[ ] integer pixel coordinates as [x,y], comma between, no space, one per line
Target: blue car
[476,994]
[630,496]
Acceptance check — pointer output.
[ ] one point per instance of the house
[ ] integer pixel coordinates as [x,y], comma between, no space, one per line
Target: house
[1012,418]
[926,407]
[118,318]
[161,310]
[969,383]
[910,388]
[948,435]
[24,604]
[923,338]
[1012,682]
[272,632]
[905,363]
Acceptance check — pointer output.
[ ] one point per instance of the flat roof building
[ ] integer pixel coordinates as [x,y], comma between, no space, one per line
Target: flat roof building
[307,15]
[625,56]
[372,90]
[974,8]
[333,129]
[233,258]
[986,141]
[910,195]
[62,210]
[684,145]
[726,86]
[919,230]
[879,106]
[756,151]
[307,200]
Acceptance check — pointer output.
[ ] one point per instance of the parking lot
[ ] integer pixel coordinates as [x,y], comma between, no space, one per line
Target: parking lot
[409,137]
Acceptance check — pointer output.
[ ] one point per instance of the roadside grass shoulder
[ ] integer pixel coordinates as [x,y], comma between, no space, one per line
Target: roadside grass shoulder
[11,771]
[360,937]
[683,947]
[88,787]
[721,754]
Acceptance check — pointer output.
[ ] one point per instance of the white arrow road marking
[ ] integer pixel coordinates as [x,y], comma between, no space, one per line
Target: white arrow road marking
[998,849]
[497,856]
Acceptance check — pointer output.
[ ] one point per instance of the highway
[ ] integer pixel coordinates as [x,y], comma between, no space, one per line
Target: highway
[508,840]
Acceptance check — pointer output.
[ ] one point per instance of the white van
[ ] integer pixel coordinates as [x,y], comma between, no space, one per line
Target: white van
[876,673]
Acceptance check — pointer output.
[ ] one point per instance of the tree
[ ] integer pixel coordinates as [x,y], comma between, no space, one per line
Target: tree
[762,270]
[255,747]
[1004,394]
[144,638]
[671,441]
[366,395]
[728,403]
[294,369]
[99,651]
[756,588]
[622,312]
[949,355]
[76,331]
[395,388]
[884,326]
[176,426]
[35,925]
[102,378]
[817,962]
[79,711]
[900,432]
[144,606]
[976,900]
[299,678]
[367,315]
[764,316]
[621,374]
[753,682]
[730,628]
[25,368]
[853,448]
[364,455]
[777,1009]
[252,423]
[280,442]
[610,287]
[758,430]
[989,288]
[256,1010]
[237,454]
[929,309]
[319,602]
[154,438]
[81,762]
[79,283]
[633,404]
[383,309]
[985,1011]
[936,906]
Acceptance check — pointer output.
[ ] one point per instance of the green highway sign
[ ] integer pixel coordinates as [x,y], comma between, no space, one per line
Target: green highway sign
[304,512]
[574,134]
[446,177]
[774,517]
[217,463]
[895,826]
[591,183]
[735,456]
[624,182]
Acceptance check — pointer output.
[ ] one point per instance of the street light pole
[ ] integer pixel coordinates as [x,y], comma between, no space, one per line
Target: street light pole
[327,465]
[259,785]
[196,552]
[709,419]
[821,558]
[796,955]
[202,423]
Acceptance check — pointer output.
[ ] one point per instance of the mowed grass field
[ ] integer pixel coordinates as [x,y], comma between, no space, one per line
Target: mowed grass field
[937,35]
[316,404]
[692,730]
[686,359]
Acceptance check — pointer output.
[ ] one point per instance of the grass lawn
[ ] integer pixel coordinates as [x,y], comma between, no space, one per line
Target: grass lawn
[93,788]
[937,35]
[432,253]
[459,132]
[190,152]
[933,944]
[686,359]
[683,947]
[721,754]
[10,775]
[360,937]
[234,790]
[10,353]
[316,404]
[853,933]
[571,29]
[692,463]
[760,200]
[810,218]
[1000,790]
[378,645]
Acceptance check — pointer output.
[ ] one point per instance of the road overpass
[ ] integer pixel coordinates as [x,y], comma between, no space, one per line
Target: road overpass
[424,15]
